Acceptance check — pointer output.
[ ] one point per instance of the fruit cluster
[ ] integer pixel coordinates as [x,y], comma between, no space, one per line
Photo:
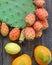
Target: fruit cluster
[35,24]
[42,55]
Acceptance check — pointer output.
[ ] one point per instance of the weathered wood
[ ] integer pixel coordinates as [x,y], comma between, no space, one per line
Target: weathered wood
[6,58]
[47,36]
[1,58]
[45,40]
[29,50]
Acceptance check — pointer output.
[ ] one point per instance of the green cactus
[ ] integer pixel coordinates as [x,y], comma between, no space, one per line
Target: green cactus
[13,12]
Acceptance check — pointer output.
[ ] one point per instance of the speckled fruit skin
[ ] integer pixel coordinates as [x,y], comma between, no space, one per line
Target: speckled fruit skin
[14,34]
[12,48]
[22,60]
[41,13]
[38,34]
[0,27]
[30,19]
[42,55]
[39,3]
[29,33]
[45,24]
[37,26]
[4,29]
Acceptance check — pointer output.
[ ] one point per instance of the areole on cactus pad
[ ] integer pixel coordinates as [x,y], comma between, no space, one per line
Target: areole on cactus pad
[13,12]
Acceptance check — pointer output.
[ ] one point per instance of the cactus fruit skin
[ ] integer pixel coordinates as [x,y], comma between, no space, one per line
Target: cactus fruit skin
[29,33]
[39,3]
[12,48]
[37,26]
[4,29]
[45,24]
[14,34]
[42,55]
[24,59]
[0,27]
[30,19]
[38,34]
[22,37]
[41,13]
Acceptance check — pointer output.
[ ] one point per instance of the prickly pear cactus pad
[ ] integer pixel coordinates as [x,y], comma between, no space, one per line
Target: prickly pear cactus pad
[13,12]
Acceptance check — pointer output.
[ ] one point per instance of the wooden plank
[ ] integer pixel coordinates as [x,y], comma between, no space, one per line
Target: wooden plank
[29,50]
[7,59]
[1,58]
[46,40]
[47,36]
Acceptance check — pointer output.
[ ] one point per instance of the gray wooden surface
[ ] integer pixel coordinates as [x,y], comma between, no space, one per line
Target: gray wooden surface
[46,40]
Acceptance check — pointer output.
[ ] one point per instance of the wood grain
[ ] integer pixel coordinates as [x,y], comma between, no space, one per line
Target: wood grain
[46,40]
[6,58]
[47,36]
[1,51]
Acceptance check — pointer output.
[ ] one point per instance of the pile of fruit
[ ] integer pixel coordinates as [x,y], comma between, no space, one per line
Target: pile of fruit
[42,55]
[35,24]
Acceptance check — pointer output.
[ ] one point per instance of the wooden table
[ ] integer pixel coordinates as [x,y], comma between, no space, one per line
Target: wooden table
[46,40]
